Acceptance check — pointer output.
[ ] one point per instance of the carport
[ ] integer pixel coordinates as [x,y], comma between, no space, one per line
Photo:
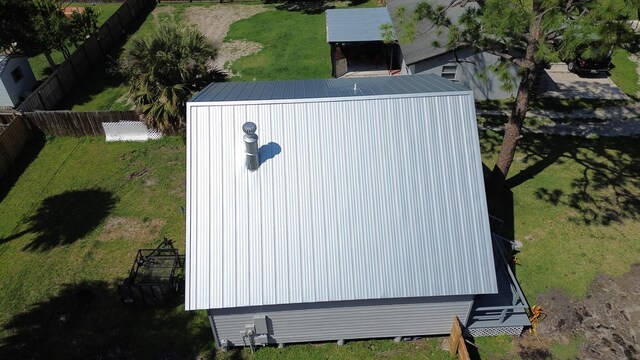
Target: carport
[357,43]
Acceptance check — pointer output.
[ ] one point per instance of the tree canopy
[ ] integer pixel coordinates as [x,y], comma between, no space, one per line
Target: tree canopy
[528,34]
[164,69]
[40,26]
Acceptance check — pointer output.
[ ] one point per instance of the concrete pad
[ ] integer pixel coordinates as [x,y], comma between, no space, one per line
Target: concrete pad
[558,82]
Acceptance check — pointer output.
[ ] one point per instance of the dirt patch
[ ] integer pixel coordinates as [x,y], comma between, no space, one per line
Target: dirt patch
[231,51]
[162,10]
[214,23]
[608,318]
[134,229]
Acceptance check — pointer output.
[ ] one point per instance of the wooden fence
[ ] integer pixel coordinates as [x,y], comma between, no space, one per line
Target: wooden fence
[12,140]
[90,53]
[71,123]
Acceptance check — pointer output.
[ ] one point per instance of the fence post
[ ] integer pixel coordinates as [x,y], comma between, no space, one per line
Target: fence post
[86,54]
[102,53]
[44,106]
[60,82]
[113,40]
[129,8]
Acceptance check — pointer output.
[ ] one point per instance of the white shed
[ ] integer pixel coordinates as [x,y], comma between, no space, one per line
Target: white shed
[366,217]
[16,80]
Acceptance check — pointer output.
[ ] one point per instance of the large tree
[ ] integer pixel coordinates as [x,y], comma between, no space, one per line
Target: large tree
[164,69]
[528,34]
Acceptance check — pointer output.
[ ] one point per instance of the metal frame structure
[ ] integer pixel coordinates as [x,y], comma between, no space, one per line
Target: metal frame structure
[153,276]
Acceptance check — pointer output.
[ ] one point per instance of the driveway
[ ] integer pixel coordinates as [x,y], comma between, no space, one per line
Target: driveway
[558,82]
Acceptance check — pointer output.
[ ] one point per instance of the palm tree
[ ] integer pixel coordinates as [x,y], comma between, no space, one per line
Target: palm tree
[163,70]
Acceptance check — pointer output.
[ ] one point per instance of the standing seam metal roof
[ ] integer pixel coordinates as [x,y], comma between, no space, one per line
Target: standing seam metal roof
[355,25]
[359,197]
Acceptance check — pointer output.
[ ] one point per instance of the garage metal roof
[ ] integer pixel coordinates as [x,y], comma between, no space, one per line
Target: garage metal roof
[354,25]
[366,196]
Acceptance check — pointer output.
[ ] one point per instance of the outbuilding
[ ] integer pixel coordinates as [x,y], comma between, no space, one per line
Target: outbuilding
[338,209]
[16,79]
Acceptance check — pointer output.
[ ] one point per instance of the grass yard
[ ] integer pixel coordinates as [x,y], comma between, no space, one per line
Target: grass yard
[39,63]
[576,208]
[72,223]
[625,73]
[288,52]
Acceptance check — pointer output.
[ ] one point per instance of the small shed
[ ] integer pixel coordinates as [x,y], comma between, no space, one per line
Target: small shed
[365,216]
[358,45]
[16,80]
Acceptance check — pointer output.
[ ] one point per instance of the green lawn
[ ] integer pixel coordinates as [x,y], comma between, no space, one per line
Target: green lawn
[288,52]
[575,208]
[39,63]
[625,74]
[73,223]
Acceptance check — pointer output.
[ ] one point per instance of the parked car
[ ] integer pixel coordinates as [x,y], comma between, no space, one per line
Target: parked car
[582,65]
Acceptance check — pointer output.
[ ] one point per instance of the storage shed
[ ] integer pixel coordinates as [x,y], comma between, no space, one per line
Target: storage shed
[16,79]
[361,214]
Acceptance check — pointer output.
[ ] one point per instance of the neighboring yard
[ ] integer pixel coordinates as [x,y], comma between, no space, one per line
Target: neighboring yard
[74,219]
[288,52]
[39,63]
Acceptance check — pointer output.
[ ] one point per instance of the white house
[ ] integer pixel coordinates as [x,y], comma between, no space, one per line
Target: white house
[16,79]
[340,209]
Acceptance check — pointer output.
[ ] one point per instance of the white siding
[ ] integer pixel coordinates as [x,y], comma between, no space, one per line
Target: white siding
[369,198]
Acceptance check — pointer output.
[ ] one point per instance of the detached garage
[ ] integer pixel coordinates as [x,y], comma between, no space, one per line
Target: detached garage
[339,209]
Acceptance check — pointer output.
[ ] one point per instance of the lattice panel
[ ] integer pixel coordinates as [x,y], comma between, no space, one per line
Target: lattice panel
[129,131]
[495,331]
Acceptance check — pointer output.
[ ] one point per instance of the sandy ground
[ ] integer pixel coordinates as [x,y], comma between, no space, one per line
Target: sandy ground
[608,319]
[214,23]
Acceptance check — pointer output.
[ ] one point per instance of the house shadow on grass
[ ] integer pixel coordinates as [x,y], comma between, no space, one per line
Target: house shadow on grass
[87,320]
[65,218]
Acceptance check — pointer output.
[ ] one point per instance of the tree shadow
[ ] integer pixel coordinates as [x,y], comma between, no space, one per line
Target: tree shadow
[607,188]
[86,320]
[65,218]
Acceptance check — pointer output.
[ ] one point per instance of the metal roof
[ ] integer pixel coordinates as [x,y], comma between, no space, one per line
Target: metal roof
[357,198]
[324,88]
[354,25]
[422,47]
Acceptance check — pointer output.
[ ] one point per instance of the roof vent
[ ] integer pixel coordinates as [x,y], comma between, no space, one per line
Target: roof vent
[251,145]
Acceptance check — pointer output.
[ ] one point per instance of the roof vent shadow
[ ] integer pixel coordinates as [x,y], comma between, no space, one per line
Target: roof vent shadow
[268,151]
